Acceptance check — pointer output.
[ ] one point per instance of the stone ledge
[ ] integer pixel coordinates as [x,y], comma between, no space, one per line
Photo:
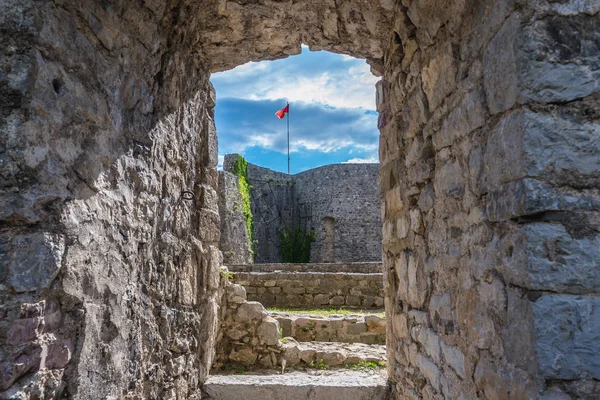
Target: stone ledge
[368,329]
[350,267]
[332,385]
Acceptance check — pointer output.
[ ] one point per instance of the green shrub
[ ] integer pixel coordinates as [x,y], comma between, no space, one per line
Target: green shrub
[240,169]
[295,244]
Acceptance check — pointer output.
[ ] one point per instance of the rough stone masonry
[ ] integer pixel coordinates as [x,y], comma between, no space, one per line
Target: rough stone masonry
[489,152]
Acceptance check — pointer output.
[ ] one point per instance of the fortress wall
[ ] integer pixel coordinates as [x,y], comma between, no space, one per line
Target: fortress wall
[345,196]
[339,202]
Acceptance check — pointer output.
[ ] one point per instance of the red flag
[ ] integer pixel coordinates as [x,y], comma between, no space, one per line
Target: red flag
[281,113]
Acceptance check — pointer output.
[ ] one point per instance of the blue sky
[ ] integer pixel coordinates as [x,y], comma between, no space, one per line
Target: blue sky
[332,111]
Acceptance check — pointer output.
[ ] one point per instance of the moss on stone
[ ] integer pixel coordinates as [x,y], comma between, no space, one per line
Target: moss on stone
[240,169]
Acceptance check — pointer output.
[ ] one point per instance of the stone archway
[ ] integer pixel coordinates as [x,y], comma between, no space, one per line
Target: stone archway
[489,153]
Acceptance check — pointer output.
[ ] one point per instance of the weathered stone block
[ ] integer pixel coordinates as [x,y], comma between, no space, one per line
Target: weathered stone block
[393,202]
[429,340]
[455,358]
[440,311]
[468,116]
[439,75]
[538,145]
[518,332]
[449,181]
[560,67]
[567,332]
[529,196]
[210,226]
[287,325]
[337,301]
[356,328]
[245,356]
[321,299]
[268,331]
[353,301]
[417,282]
[547,257]
[430,370]
[30,262]
[236,294]
[274,290]
[400,325]
[249,311]
[322,336]
[500,67]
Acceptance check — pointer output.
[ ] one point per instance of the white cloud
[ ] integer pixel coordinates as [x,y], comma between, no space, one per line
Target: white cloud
[251,123]
[220,162]
[313,77]
[370,160]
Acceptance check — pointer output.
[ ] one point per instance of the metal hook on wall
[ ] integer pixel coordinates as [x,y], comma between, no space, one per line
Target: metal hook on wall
[187,195]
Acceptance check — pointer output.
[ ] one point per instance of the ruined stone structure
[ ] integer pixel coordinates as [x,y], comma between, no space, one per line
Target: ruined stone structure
[339,202]
[489,153]
[251,337]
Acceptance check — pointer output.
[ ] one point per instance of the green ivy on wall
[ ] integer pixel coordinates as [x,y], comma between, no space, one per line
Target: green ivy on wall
[295,244]
[240,169]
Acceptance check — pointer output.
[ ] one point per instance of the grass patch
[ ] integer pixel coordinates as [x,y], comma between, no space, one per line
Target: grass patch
[324,312]
[319,364]
[366,365]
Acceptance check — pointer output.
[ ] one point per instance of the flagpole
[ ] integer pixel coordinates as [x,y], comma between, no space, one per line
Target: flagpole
[288,115]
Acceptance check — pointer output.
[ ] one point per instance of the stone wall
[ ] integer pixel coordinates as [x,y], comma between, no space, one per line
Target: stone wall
[339,202]
[346,197]
[235,241]
[368,329]
[108,272]
[490,163]
[313,289]
[248,336]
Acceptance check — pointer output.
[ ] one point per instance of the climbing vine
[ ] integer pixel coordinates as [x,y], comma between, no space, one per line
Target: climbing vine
[240,169]
[295,244]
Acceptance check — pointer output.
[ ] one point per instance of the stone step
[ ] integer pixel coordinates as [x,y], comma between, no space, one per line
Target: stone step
[297,385]
[331,354]
[356,328]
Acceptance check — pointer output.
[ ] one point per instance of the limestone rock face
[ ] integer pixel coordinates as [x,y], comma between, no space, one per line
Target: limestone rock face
[109,226]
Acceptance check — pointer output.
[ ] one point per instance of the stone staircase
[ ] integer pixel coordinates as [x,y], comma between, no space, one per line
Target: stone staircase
[343,379]
[329,358]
